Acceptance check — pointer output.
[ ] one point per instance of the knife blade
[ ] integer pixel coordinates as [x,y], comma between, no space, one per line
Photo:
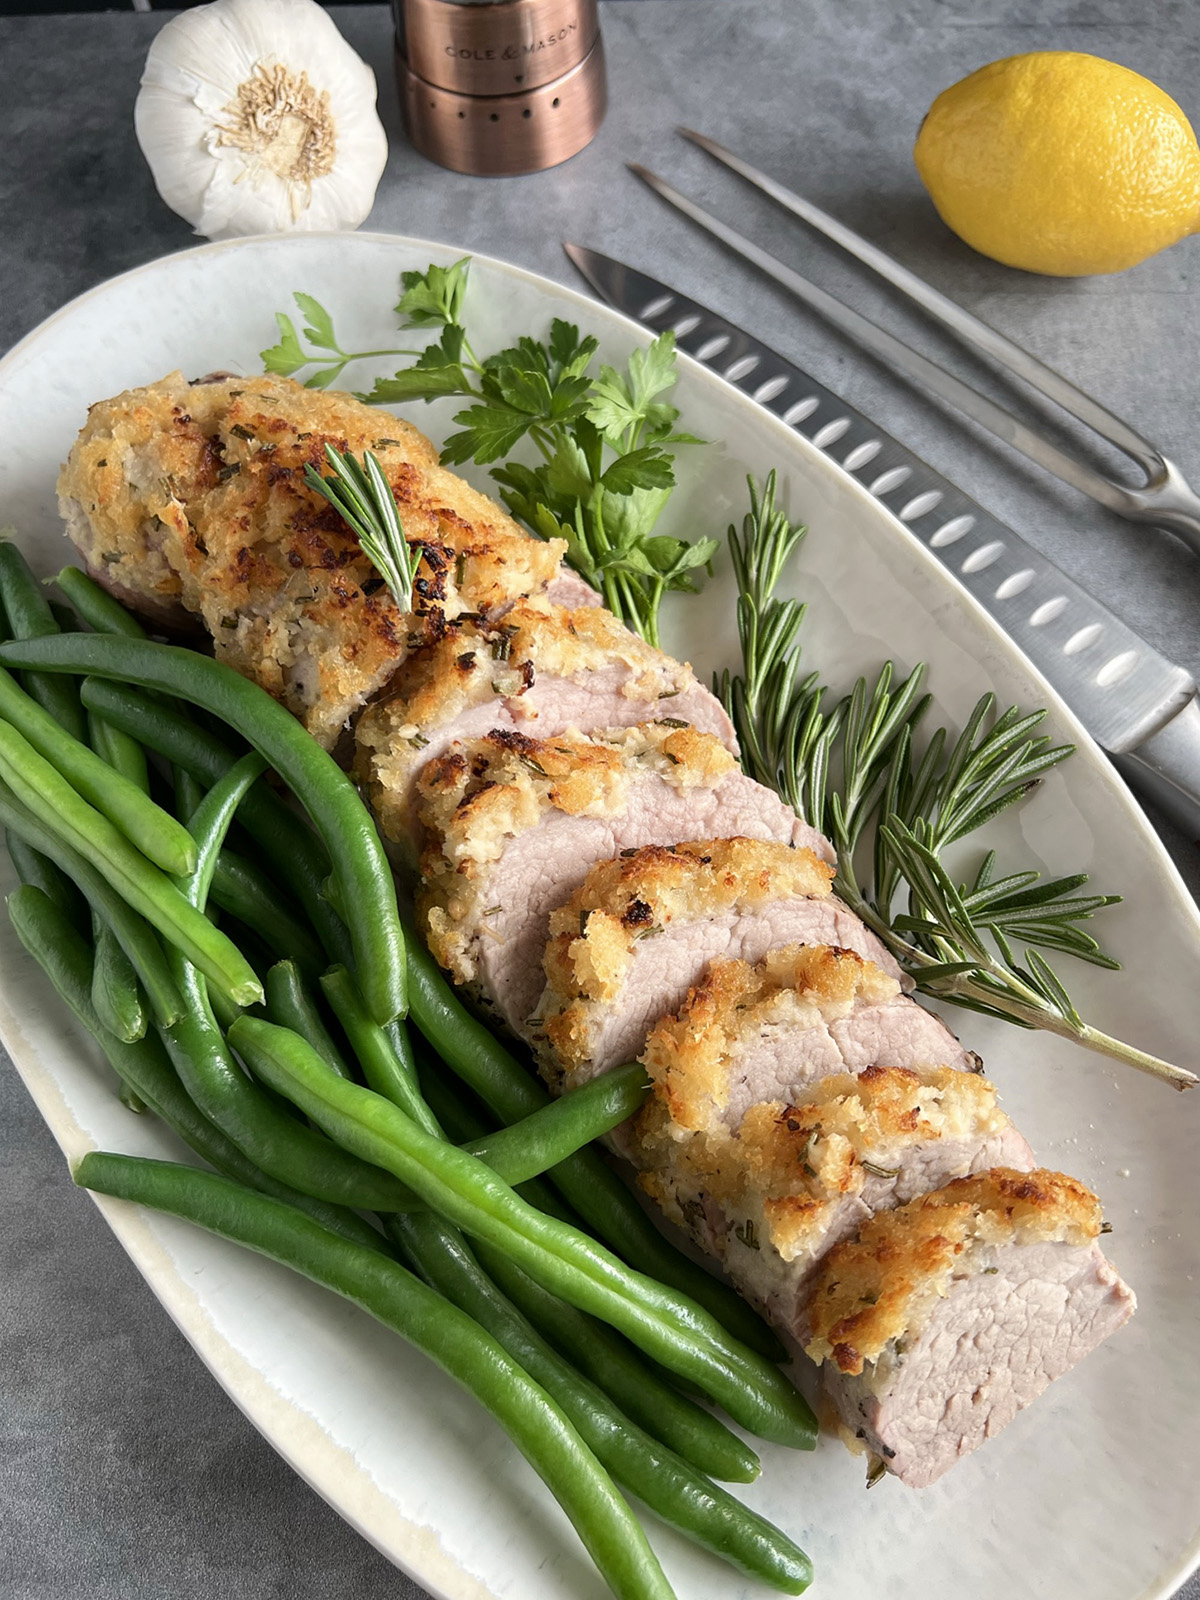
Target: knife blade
[1139,706]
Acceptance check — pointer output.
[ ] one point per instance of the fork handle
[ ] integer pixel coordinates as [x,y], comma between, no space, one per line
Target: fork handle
[1168,501]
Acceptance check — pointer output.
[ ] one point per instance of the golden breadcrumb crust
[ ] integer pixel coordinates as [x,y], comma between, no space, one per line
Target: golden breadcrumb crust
[476,661]
[881,1286]
[202,496]
[141,459]
[480,659]
[481,793]
[692,1056]
[779,1176]
[594,935]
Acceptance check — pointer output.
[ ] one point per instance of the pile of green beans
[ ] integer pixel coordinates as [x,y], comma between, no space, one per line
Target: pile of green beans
[118,904]
[449,1337]
[359,864]
[675,1332]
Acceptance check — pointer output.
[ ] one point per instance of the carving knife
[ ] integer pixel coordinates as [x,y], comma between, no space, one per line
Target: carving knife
[1139,707]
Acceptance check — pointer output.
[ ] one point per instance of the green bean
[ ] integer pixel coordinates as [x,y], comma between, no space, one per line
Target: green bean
[115,992]
[38,785]
[262,1128]
[462,1124]
[290,848]
[39,871]
[135,935]
[145,1071]
[240,889]
[130,1099]
[29,617]
[209,822]
[332,801]
[674,1331]
[517,1153]
[129,808]
[584,1179]
[123,754]
[291,1004]
[544,1138]
[635,1384]
[65,619]
[189,792]
[668,1484]
[96,606]
[536,1425]
[288,1150]
[383,1054]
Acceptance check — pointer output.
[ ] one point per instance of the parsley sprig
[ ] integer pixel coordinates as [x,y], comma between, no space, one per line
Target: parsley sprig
[894,799]
[602,441]
[325,353]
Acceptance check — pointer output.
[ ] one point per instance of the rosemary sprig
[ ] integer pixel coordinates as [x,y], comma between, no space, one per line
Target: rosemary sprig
[364,498]
[893,804]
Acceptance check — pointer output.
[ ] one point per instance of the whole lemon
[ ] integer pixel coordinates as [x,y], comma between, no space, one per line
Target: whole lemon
[1061,163]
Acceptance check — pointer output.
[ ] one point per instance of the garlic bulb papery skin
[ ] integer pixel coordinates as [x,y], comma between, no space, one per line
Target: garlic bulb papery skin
[256,116]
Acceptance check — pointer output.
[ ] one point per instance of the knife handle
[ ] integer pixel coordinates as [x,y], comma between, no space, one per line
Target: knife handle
[1167,768]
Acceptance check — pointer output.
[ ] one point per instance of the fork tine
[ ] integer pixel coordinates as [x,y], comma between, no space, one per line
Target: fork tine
[968,327]
[979,407]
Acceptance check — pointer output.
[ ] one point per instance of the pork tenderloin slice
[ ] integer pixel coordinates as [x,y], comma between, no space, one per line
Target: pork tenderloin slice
[570,590]
[944,1318]
[772,1195]
[539,670]
[512,826]
[192,497]
[767,1030]
[642,929]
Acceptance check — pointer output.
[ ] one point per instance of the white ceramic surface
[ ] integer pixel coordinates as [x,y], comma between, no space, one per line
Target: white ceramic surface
[1089,1495]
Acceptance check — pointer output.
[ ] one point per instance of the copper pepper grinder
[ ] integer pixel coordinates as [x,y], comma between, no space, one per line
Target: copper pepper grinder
[499,87]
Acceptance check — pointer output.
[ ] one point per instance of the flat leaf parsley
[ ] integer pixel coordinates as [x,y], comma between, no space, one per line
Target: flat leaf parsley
[603,441]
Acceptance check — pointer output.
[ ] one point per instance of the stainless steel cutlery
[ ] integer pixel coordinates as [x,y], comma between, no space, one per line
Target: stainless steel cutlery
[1141,707]
[1163,497]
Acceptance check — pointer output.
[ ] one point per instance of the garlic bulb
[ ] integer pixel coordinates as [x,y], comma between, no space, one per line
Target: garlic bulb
[257,117]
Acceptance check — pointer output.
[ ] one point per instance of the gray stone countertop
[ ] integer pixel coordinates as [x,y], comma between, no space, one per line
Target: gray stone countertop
[123,1470]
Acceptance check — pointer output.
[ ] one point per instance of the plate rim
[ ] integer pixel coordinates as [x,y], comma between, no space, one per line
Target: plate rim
[126,1221]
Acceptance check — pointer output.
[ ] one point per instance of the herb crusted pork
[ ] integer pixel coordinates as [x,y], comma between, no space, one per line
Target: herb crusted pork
[944,1318]
[189,500]
[640,930]
[793,1098]
[512,825]
[540,670]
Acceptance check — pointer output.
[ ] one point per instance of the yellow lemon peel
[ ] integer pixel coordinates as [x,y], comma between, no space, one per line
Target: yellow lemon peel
[1061,163]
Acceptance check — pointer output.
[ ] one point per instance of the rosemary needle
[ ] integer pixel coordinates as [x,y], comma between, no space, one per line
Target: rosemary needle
[361,494]
[854,772]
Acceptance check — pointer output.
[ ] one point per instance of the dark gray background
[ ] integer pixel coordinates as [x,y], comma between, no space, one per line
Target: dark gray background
[124,1471]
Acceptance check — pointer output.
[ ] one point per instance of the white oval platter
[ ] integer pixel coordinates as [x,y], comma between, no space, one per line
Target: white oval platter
[1089,1495]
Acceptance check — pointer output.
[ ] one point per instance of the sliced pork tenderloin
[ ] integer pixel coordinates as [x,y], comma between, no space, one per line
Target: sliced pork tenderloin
[512,826]
[755,1031]
[771,1196]
[191,500]
[641,930]
[539,670]
[943,1318]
